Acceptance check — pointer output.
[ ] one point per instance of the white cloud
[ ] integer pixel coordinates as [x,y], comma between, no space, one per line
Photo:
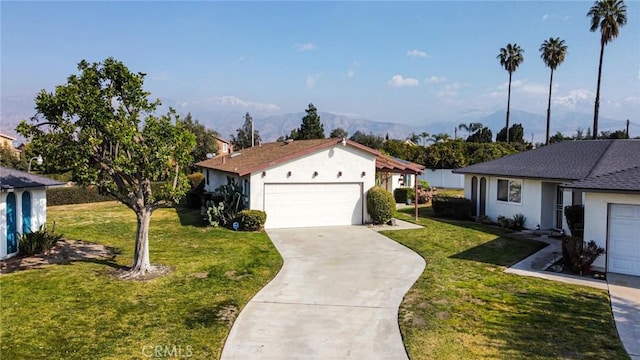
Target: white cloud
[545,17]
[399,81]
[163,76]
[312,79]
[435,80]
[416,53]
[450,90]
[574,98]
[305,47]
[237,102]
[351,73]
[514,84]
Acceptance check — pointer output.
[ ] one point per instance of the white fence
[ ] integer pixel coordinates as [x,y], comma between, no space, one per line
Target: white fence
[443,178]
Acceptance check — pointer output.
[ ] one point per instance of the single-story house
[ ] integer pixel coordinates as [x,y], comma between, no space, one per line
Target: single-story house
[23,206]
[302,183]
[602,175]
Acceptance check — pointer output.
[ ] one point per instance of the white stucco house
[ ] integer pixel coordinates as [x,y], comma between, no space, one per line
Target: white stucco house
[23,206]
[302,183]
[602,175]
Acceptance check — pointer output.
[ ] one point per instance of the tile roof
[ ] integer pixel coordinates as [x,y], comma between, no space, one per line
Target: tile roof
[622,180]
[566,160]
[247,161]
[15,179]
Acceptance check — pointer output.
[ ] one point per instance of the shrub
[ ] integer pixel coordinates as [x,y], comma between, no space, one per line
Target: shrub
[518,221]
[232,202]
[402,194]
[251,220]
[75,195]
[575,219]
[193,197]
[578,254]
[380,205]
[38,241]
[452,207]
[423,184]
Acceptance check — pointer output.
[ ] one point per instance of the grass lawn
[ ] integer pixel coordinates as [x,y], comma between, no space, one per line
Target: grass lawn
[79,311]
[465,307]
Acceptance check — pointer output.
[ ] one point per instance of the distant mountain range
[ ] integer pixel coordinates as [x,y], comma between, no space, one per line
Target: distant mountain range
[273,126]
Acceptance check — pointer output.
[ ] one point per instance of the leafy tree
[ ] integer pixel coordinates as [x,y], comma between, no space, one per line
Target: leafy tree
[482,135]
[510,58]
[402,150]
[559,137]
[439,137]
[446,155]
[516,134]
[338,133]
[618,134]
[9,159]
[311,127]
[102,125]
[206,142]
[370,140]
[608,16]
[243,138]
[481,152]
[552,52]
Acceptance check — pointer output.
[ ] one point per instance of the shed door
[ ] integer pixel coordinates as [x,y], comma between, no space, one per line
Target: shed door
[12,238]
[26,212]
[624,239]
[306,205]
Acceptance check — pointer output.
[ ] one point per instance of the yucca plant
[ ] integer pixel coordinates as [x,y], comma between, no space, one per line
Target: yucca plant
[38,241]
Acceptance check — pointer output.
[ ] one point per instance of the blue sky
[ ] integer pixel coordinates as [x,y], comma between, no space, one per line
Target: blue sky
[406,62]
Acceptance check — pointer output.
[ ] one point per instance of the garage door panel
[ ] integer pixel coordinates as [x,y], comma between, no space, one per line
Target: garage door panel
[306,205]
[624,239]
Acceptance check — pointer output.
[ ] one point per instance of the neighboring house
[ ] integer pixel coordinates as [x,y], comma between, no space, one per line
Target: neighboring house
[23,206]
[224,146]
[7,141]
[602,175]
[393,179]
[443,178]
[301,183]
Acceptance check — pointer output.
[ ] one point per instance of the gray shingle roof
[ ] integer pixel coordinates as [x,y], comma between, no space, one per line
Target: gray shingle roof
[15,179]
[623,180]
[566,160]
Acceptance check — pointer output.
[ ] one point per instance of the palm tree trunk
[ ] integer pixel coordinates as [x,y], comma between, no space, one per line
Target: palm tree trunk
[596,110]
[549,108]
[508,105]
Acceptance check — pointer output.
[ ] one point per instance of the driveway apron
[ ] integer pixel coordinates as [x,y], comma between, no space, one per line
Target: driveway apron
[336,297]
[624,291]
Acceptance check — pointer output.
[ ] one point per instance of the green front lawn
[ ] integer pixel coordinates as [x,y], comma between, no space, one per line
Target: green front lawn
[465,307]
[79,311]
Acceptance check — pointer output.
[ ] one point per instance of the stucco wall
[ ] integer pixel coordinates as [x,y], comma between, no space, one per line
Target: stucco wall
[443,178]
[596,216]
[351,161]
[38,214]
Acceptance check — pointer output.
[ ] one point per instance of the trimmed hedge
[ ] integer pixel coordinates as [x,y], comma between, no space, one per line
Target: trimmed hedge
[380,205]
[402,194]
[452,207]
[75,195]
[251,220]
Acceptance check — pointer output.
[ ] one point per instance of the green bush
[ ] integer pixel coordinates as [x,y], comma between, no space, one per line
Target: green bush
[193,197]
[380,205]
[579,255]
[575,219]
[37,242]
[251,220]
[402,194]
[518,221]
[75,195]
[452,207]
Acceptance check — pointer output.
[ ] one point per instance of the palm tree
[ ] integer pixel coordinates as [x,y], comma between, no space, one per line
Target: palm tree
[471,127]
[552,52]
[424,135]
[510,58]
[608,16]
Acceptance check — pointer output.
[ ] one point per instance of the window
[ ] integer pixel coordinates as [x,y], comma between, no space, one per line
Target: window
[510,191]
[225,148]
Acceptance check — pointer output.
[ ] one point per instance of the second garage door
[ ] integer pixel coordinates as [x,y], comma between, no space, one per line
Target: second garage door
[306,205]
[624,239]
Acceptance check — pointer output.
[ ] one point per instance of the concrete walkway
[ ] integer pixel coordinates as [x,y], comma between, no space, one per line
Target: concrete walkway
[624,291]
[336,297]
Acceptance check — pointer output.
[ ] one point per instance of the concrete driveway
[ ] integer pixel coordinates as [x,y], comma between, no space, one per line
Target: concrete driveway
[624,291]
[336,297]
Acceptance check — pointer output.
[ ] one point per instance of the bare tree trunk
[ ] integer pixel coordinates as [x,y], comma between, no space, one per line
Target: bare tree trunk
[141,263]
[508,105]
[596,109]
[549,109]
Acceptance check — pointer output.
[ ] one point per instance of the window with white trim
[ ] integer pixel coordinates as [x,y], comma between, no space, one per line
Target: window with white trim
[510,190]
[225,148]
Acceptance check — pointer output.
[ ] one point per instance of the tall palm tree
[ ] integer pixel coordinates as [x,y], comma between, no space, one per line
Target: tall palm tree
[552,52]
[424,135]
[608,16]
[470,127]
[510,58]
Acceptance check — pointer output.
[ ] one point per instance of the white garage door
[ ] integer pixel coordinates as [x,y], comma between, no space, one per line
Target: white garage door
[624,239]
[305,205]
